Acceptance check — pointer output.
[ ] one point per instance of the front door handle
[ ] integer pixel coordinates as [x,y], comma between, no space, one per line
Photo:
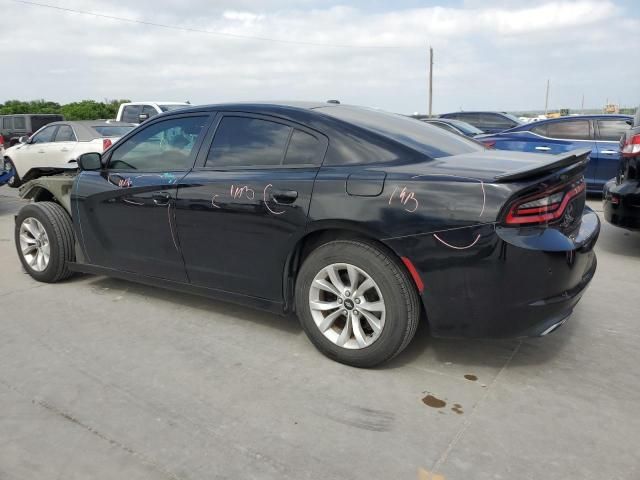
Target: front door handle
[161,199]
[284,196]
[609,152]
[543,149]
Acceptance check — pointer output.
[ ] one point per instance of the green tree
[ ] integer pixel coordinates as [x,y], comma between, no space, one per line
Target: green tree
[84,110]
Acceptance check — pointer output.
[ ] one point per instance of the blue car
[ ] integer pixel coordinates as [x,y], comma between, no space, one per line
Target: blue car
[6,171]
[601,133]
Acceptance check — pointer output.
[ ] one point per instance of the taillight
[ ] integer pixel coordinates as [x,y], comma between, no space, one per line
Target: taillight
[632,146]
[544,207]
[106,143]
[489,143]
[1,141]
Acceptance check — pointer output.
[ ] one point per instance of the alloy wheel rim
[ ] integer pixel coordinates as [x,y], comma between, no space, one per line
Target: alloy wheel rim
[34,244]
[347,306]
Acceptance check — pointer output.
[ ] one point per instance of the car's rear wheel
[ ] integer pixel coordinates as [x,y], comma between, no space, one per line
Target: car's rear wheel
[14,181]
[356,303]
[44,240]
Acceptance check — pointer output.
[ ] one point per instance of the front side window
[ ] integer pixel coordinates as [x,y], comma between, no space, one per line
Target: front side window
[7,122]
[569,130]
[149,111]
[164,146]
[612,130]
[45,135]
[131,113]
[65,134]
[248,142]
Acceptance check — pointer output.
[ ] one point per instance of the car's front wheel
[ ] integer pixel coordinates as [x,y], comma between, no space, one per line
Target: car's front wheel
[356,303]
[44,240]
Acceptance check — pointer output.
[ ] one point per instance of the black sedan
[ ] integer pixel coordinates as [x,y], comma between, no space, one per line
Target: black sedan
[358,221]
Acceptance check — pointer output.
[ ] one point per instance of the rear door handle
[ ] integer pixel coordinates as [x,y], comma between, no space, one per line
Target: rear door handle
[284,196]
[609,152]
[161,199]
[543,149]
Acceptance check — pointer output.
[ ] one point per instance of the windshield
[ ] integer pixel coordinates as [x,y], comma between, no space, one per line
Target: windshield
[112,130]
[428,139]
[170,108]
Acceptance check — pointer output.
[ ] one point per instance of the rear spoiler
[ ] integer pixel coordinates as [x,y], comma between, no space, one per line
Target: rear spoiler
[554,163]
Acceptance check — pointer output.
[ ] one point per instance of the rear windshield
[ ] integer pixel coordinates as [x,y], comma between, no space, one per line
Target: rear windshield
[39,121]
[170,108]
[112,130]
[428,139]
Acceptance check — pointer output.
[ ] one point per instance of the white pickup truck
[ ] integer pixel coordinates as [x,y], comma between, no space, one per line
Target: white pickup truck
[56,146]
[138,112]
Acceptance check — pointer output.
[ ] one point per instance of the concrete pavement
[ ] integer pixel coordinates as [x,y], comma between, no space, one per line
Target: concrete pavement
[104,379]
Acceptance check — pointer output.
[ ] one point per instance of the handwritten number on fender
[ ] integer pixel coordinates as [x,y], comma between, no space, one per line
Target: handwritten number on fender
[407,199]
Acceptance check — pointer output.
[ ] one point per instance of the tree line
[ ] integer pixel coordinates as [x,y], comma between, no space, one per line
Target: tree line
[84,110]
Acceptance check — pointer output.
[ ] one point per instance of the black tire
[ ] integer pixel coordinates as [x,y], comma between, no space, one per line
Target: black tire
[398,290]
[59,228]
[14,182]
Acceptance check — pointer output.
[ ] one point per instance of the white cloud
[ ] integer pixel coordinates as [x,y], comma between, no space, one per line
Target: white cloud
[488,55]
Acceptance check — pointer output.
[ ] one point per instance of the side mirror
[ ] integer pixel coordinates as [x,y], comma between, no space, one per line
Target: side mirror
[629,122]
[24,139]
[90,161]
[142,117]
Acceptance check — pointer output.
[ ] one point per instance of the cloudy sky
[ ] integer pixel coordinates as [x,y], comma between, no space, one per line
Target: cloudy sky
[489,54]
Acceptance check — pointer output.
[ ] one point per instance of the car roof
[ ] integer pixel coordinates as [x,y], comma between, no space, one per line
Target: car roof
[84,128]
[596,116]
[155,102]
[474,111]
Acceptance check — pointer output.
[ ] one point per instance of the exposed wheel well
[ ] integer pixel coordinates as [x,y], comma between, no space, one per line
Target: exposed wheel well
[39,194]
[319,237]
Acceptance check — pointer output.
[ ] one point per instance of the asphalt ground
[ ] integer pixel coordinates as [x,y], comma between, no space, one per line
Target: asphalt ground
[106,379]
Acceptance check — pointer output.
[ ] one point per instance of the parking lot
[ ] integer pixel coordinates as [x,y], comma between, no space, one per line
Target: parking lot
[104,379]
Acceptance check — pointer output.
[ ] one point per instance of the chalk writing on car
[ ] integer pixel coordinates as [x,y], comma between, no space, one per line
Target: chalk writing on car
[406,197]
[266,201]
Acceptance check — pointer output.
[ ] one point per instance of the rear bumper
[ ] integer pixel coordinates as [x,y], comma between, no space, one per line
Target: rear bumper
[622,204]
[511,283]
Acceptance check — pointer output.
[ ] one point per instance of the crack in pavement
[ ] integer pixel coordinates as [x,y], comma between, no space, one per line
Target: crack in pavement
[67,416]
[467,421]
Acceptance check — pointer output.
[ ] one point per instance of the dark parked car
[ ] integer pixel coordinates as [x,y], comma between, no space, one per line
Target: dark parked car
[488,122]
[359,221]
[12,127]
[600,133]
[454,126]
[622,194]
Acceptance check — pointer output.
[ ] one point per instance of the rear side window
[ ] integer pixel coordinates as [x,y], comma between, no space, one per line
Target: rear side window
[39,121]
[569,130]
[65,134]
[420,136]
[304,149]
[131,113]
[612,130]
[248,142]
[7,122]
[493,120]
[20,123]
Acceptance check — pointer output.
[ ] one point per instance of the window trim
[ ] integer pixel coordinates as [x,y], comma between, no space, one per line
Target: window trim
[202,158]
[150,123]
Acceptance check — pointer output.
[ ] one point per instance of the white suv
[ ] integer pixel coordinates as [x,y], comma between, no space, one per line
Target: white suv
[138,112]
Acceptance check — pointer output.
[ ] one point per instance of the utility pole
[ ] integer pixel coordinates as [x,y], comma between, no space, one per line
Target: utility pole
[582,105]
[546,100]
[430,80]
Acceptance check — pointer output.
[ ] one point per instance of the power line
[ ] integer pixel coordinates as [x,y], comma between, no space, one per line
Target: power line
[208,32]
